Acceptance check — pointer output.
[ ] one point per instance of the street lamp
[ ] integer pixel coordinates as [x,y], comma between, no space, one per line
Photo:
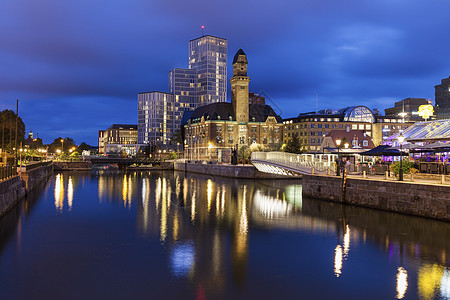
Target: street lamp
[62,145]
[338,167]
[401,139]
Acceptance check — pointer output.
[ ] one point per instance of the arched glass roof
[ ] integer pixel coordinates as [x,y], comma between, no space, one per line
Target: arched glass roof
[358,114]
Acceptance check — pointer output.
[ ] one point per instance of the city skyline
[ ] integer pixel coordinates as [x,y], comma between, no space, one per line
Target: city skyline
[77,67]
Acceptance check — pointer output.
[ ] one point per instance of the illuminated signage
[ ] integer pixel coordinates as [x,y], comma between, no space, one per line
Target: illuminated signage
[426,111]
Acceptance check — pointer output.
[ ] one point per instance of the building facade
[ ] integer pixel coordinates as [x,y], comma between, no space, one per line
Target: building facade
[407,109]
[101,142]
[214,129]
[183,85]
[159,116]
[311,128]
[119,139]
[442,99]
[208,56]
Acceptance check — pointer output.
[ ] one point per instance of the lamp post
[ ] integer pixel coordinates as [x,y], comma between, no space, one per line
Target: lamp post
[401,139]
[62,145]
[338,165]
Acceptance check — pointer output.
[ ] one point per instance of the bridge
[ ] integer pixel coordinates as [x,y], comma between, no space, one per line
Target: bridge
[121,161]
[283,163]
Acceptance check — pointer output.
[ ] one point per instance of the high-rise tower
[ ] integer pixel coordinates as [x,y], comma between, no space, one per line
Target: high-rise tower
[208,56]
[239,87]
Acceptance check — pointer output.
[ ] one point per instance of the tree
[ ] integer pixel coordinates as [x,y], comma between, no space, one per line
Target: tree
[8,130]
[83,146]
[64,146]
[293,145]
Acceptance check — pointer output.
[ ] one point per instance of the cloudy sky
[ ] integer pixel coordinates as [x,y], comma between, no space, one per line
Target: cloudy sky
[76,66]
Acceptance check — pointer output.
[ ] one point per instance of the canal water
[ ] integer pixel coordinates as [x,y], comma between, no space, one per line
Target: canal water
[170,235]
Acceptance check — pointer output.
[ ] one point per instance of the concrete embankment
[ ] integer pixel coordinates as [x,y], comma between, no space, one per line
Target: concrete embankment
[225,170]
[419,199]
[72,165]
[13,189]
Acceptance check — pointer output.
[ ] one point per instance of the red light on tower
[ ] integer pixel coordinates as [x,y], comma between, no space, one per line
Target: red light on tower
[203,27]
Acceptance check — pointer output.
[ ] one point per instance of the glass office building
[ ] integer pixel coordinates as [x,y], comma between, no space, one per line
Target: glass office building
[157,117]
[208,56]
[183,85]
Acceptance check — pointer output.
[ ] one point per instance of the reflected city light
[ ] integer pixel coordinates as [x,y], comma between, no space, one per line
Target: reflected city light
[445,285]
[124,189]
[163,227]
[346,240]
[193,206]
[209,185]
[59,192]
[145,200]
[429,279]
[158,193]
[402,282]
[243,223]
[182,258]
[70,192]
[338,261]
[294,195]
[271,207]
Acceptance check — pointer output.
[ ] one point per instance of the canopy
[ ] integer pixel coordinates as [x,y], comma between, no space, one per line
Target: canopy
[383,150]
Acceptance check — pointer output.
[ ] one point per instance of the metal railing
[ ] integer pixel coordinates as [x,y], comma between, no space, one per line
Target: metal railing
[7,172]
[294,161]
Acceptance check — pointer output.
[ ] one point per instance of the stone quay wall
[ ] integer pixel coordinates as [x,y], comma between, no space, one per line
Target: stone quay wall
[32,177]
[419,199]
[11,191]
[72,165]
[225,170]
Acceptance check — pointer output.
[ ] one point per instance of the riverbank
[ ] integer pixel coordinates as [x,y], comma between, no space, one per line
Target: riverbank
[412,198]
[14,189]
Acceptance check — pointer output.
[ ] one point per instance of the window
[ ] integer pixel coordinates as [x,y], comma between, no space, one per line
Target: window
[218,128]
[230,128]
[312,125]
[313,141]
[361,127]
[327,125]
[354,126]
[319,125]
[365,143]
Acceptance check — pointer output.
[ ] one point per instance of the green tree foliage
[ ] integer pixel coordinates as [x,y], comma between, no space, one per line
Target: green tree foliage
[293,145]
[83,146]
[172,155]
[8,130]
[64,146]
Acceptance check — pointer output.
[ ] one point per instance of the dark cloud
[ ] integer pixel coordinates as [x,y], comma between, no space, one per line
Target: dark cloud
[77,66]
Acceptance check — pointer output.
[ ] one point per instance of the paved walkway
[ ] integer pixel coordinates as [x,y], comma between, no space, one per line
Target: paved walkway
[406,178]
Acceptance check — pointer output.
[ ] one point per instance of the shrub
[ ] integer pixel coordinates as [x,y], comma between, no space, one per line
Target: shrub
[406,166]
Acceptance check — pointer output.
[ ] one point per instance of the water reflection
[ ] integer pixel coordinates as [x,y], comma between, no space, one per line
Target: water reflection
[213,229]
[63,182]
[402,282]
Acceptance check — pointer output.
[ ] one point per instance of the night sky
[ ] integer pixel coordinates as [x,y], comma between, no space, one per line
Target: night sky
[76,66]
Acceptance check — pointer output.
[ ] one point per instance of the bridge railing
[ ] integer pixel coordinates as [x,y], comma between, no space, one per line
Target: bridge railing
[294,161]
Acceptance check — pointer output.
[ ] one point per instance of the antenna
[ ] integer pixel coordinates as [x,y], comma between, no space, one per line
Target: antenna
[203,27]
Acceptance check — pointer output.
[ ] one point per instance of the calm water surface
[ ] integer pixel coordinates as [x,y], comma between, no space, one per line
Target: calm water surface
[172,235]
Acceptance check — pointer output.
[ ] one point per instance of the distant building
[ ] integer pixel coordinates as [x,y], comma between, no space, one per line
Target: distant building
[183,85]
[158,117]
[312,127]
[442,99]
[160,113]
[214,129]
[354,138]
[208,56]
[407,109]
[256,99]
[119,139]
[101,142]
